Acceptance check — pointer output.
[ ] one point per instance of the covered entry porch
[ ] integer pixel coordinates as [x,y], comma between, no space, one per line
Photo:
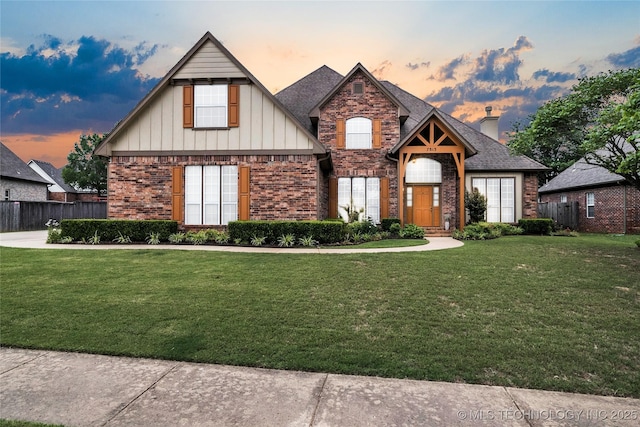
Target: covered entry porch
[431,176]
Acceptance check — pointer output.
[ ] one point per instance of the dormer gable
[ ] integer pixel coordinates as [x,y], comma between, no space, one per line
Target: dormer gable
[356,89]
[164,120]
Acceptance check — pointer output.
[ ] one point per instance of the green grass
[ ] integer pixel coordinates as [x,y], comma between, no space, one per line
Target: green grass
[12,423]
[550,313]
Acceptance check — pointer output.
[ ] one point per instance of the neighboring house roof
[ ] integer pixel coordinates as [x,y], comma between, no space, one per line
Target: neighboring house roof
[12,167]
[581,174]
[52,174]
[174,73]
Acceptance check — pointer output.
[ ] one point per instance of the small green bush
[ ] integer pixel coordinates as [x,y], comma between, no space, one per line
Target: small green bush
[538,226]
[110,229]
[638,243]
[395,228]
[412,231]
[387,223]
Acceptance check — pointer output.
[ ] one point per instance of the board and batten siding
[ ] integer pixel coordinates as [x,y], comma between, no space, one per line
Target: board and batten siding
[263,126]
[209,62]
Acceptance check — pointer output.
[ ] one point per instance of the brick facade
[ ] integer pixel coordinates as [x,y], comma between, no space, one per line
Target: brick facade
[371,104]
[530,195]
[609,210]
[282,187]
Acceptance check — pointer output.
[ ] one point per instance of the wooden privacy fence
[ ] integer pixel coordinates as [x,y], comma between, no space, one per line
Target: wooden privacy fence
[26,216]
[565,214]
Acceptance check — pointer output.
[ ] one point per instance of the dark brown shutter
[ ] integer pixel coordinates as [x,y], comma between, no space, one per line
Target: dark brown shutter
[187,106]
[243,193]
[333,197]
[377,133]
[234,106]
[384,197]
[340,133]
[177,193]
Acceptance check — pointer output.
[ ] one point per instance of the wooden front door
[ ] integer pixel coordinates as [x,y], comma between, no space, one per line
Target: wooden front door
[426,205]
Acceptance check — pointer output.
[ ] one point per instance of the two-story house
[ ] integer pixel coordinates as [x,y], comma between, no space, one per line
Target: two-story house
[210,144]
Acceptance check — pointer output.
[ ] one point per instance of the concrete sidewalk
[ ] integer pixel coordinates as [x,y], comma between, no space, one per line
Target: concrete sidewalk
[37,240]
[91,390]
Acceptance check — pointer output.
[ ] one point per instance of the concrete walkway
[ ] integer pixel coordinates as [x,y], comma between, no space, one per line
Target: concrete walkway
[37,240]
[91,390]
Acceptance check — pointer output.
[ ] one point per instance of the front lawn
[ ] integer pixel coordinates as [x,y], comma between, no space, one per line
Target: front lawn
[554,313]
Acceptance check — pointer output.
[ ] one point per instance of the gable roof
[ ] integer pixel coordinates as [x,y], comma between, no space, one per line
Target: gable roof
[12,167]
[305,97]
[581,174]
[173,73]
[54,175]
[485,153]
[403,113]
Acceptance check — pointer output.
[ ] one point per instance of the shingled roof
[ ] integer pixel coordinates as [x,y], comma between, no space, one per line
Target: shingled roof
[485,153]
[55,174]
[300,97]
[12,167]
[579,175]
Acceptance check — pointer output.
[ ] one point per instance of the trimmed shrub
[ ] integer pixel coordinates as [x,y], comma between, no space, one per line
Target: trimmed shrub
[322,231]
[476,205]
[386,223]
[486,231]
[110,229]
[539,226]
[412,231]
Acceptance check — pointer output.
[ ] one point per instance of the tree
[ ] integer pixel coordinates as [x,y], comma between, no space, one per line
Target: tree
[84,169]
[598,120]
[476,204]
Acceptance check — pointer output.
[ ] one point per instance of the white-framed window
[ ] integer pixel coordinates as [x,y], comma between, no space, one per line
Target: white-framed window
[591,205]
[563,198]
[501,197]
[423,171]
[210,195]
[211,106]
[363,194]
[358,133]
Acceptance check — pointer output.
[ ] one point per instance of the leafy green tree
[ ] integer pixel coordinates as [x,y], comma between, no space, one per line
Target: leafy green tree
[84,169]
[598,119]
[476,204]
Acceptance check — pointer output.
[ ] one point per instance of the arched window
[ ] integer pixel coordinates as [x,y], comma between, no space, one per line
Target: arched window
[358,132]
[423,171]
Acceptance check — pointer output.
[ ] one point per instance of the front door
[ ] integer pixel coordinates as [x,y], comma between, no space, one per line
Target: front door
[426,205]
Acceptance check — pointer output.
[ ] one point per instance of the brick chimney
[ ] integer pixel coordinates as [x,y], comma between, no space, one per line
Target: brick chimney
[489,125]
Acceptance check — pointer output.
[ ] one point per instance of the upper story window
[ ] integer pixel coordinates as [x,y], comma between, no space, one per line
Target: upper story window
[359,132]
[211,106]
[358,88]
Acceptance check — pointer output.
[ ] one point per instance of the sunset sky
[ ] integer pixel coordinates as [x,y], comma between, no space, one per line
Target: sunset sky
[74,67]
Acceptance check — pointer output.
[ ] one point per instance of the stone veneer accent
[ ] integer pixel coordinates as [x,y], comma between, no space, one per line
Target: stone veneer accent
[609,208]
[372,104]
[282,187]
